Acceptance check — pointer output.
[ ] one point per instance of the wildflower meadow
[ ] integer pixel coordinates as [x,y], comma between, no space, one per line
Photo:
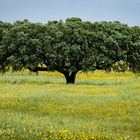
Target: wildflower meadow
[99,106]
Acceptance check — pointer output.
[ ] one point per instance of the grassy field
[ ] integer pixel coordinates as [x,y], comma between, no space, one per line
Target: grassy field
[99,106]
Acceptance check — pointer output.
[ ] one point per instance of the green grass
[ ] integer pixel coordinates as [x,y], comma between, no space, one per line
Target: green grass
[99,106]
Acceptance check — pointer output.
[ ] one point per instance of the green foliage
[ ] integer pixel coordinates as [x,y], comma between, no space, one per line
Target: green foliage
[120,66]
[68,46]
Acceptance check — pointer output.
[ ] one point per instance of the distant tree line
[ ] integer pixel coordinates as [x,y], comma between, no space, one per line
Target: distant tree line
[69,46]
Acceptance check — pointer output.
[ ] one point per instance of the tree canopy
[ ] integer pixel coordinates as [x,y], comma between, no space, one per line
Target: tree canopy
[68,46]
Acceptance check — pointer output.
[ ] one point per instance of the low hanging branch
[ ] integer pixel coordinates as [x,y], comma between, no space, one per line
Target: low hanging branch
[38,69]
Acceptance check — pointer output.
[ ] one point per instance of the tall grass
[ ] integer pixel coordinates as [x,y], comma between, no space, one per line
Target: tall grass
[99,106]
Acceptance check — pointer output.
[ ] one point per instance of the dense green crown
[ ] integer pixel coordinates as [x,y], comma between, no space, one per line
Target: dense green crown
[69,46]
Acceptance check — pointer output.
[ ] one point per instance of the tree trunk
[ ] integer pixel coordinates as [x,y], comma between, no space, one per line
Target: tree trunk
[70,78]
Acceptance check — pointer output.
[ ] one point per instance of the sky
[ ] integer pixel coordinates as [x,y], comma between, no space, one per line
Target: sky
[125,11]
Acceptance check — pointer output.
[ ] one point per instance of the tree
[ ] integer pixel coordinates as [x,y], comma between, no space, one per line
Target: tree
[133,53]
[4,54]
[66,47]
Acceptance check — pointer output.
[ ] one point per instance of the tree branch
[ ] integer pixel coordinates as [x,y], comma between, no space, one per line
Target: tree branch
[38,69]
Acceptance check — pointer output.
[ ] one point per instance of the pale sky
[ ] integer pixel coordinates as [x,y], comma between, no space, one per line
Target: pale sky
[125,11]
